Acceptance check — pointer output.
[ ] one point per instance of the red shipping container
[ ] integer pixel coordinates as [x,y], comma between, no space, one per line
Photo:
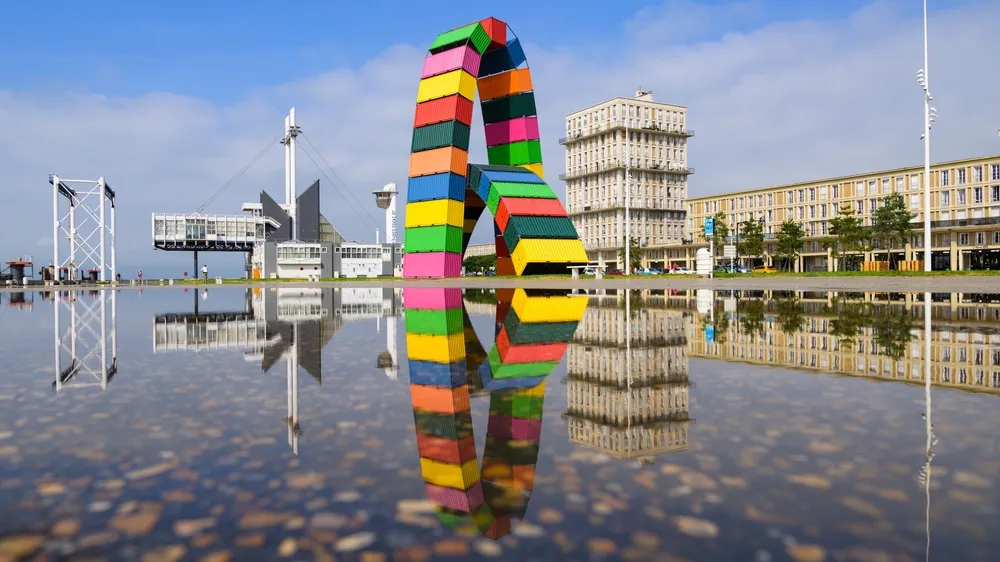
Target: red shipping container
[440,400]
[501,246]
[528,353]
[446,450]
[530,206]
[499,528]
[459,500]
[497,30]
[440,110]
[504,298]
[505,266]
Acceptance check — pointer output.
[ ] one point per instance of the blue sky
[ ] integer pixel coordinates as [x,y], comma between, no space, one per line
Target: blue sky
[169,99]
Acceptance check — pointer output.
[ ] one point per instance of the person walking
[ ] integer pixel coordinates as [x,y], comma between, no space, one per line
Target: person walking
[140,276]
[204,273]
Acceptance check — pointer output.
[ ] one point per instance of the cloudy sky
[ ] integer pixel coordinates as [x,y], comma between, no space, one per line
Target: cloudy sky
[169,100]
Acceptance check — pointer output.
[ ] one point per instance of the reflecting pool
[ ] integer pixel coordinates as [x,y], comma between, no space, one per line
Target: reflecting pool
[375,424]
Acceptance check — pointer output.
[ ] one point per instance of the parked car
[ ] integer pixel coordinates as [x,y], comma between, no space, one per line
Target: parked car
[765,269]
[647,271]
[616,272]
[683,271]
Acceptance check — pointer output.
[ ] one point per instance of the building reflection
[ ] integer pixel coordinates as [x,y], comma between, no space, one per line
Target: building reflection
[85,332]
[448,366]
[281,324]
[627,381]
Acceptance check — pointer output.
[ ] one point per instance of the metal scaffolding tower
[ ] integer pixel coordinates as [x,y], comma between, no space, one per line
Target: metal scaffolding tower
[84,226]
[86,339]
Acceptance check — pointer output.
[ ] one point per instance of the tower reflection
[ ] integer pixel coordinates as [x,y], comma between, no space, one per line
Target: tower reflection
[448,364]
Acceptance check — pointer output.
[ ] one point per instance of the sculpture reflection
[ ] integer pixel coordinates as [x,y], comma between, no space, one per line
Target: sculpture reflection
[447,364]
[85,329]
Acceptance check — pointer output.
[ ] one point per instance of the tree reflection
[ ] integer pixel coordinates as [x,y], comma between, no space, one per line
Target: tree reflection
[891,327]
[752,316]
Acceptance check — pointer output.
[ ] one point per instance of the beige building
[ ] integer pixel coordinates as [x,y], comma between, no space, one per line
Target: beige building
[965,212]
[645,138]
[628,398]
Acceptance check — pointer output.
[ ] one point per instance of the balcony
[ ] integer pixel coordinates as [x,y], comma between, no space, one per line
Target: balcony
[671,129]
[614,165]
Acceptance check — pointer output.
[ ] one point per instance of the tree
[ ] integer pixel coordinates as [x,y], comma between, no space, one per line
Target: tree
[721,231]
[752,233]
[635,254]
[789,242]
[789,314]
[891,222]
[751,312]
[479,264]
[847,235]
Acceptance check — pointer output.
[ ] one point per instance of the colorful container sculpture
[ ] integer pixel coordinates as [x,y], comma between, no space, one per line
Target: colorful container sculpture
[482,498]
[483,56]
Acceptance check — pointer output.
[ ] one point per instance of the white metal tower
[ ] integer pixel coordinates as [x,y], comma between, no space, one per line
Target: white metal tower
[84,226]
[291,132]
[386,199]
[86,339]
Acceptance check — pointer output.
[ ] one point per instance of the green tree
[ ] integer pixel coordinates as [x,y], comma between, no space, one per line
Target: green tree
[752,234]
[720,234]
[635,253]
[789,242]
[479,264]
[847,235]
[891,223]
[720,321]
[789,314]
[751,313]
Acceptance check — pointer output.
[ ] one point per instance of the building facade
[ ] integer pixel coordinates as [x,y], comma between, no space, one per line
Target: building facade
[638,137]
[965,213]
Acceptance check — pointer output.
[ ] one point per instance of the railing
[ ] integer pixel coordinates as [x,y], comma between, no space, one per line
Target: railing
[619,165]
[672,129]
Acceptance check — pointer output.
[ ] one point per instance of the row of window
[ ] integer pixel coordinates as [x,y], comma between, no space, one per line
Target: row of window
[657,115]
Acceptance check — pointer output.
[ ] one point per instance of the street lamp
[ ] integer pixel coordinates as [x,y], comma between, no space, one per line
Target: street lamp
[628,196]
[930,115]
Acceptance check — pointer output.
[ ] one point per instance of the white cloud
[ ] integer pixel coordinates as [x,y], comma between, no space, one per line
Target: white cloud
[788,101]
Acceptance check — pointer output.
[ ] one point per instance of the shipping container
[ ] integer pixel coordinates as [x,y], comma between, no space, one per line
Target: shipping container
[440,349]
[527,227]
[462,57]
[499,528]
[467,523]
[440,400]
[506,426]
[516,153]
[434,212]
[497,32]
[536,169]
[515,174]
[528,353]
[505,267]
[450,108]
[512,130]
[433,264]
[440,160]
[513,451]
[447,375]
[433,298]
[516,52]
[537,257]
[446,426]
[509,107]
[448,133]
[501,370]
[533,206]
[453,451]
[501,246]
[459,476]
[437,238]
[446,185]
[497,385]
[427,321]
[527,333]
[504,298]
[474,34]
[448,84]
[495,61]
[502,189]
[458,500]
[536,309]
[505,84]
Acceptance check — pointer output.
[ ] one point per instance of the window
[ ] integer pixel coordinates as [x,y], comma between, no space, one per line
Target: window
[996,237]
[886,185]
[980,238]
[899,183]
[822,193]
[914,201]
[977,174]
[770,199]
[960,197]
[915,181]
[859,188]
[977,195]
[960,176]
[963,239]
[836,191]
[994,172]
[945,198]
[944,177]
[861,206]
[994,193]
[812,193]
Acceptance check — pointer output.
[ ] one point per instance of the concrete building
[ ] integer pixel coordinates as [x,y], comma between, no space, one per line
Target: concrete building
[647,140]
[480,250]
[965,213]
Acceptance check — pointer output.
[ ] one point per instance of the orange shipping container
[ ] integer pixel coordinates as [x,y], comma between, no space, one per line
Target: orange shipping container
[446,450]
[444,159]
[505,266]
[505,84]
[440,400]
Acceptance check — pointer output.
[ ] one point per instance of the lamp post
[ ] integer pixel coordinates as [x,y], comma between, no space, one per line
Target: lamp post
[628,222]
[930,114]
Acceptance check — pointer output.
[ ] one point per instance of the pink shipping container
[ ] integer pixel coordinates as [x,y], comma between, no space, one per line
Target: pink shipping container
[464,57]
[459,500]
[513,130]
[432,264]
[514,428]
[432,298]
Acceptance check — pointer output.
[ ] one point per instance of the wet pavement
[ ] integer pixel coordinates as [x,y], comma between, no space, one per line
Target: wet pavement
[434,424]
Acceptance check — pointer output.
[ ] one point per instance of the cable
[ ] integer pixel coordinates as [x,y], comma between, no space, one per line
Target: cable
[242,171]
[342,182]
[372,224]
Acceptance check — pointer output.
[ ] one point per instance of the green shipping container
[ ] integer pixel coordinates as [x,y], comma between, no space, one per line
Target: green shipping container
[518,406]
[502,370]
[546,332]
[438,322]
[447,426]
[516,153]
[508,107]
[521,226]
[500,189]
[472,33]
[437,238]
[449,133]
[514,452]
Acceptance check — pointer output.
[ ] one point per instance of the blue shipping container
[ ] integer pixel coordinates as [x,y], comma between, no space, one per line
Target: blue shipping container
[447,375]
[447,185]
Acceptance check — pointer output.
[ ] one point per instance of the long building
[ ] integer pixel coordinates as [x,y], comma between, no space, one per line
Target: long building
[638,136]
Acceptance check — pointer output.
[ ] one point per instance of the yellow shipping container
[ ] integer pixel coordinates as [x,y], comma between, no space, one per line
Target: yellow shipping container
[536,168]
[435,348]
[461,477]
[537,391]
[547,251]
[434,212]
[547,309]
[448,84]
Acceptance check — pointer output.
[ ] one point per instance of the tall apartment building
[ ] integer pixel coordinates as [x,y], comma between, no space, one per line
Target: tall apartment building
[648,140]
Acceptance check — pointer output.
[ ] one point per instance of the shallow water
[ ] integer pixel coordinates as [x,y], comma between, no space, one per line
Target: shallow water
[503,424]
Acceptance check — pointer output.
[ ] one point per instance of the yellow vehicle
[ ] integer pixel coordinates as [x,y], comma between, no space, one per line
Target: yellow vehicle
[765,269]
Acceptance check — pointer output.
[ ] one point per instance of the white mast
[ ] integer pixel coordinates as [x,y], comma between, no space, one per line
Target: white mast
[291,131]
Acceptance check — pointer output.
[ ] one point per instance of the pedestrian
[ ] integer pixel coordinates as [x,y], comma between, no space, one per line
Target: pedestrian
[140,276]
[204,273]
